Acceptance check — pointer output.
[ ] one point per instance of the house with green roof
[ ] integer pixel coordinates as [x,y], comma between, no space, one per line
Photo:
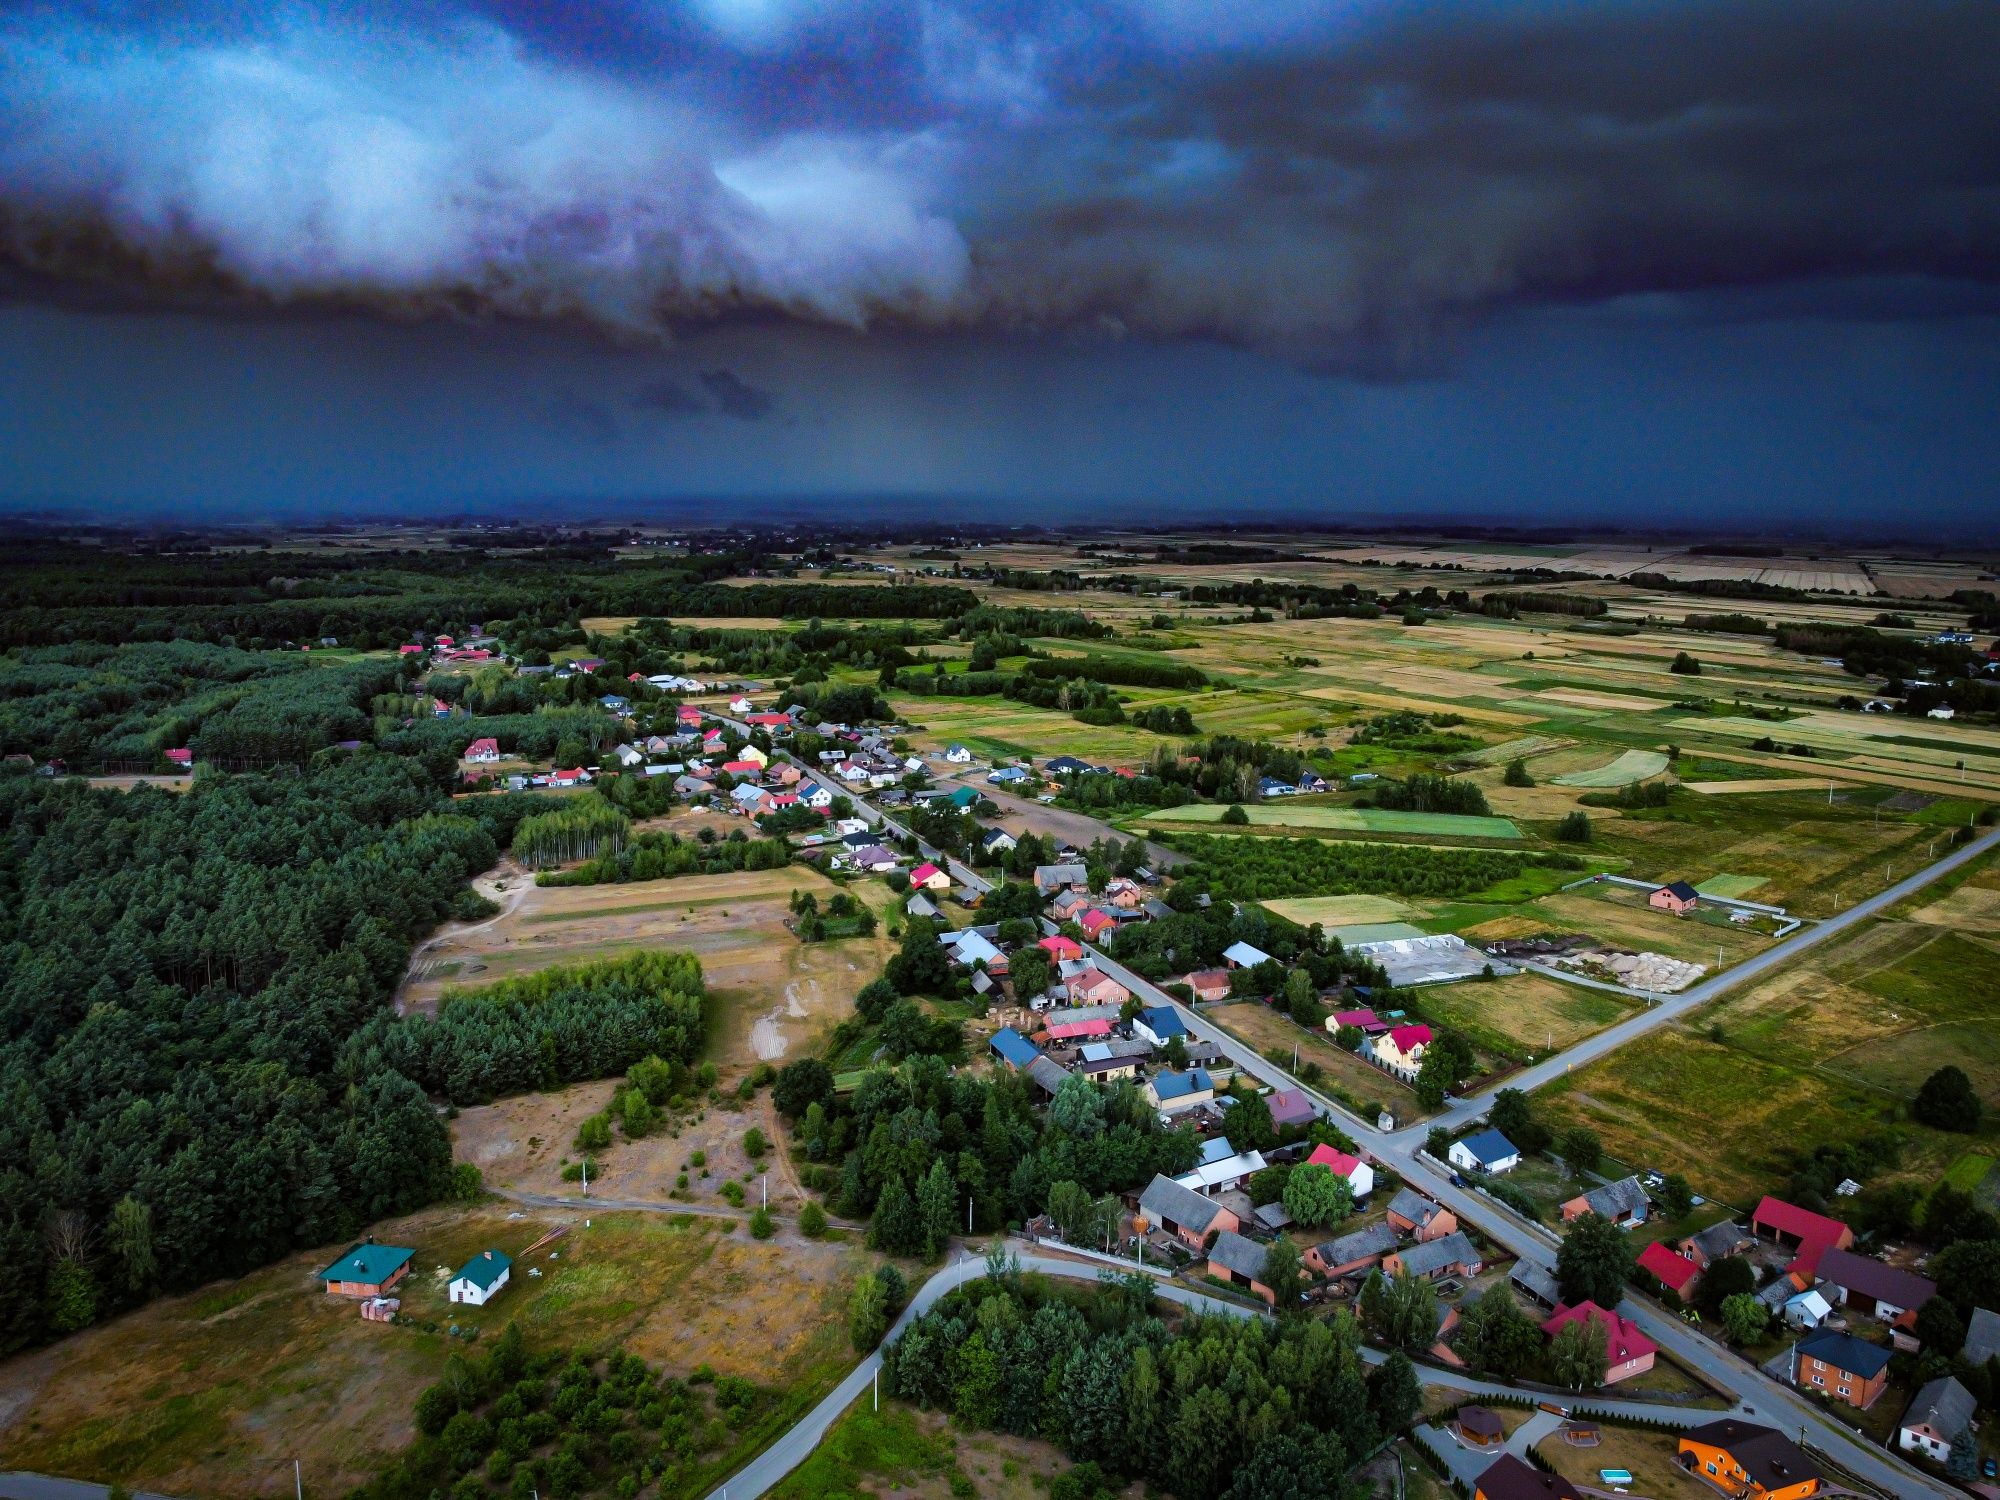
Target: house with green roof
[367,1270]
[479,1280]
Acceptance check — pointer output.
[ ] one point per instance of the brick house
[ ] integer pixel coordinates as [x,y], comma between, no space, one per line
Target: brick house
[1842,1368]
[1360,1251]
[1744,1459]
[1411,1213]
[1240,1262]
[1676,896]
[1184,1213]
[1674,1271]
[367,1270]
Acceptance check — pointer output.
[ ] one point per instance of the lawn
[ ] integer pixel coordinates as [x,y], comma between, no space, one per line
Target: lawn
[214,1393]
[1309,817]
[1648,1455]
[922,1456]
[1362,1086]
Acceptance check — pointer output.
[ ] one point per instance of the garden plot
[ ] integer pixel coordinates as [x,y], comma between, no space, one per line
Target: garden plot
[1631,766]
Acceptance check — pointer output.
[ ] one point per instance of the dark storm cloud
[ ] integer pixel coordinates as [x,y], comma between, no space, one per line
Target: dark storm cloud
[736,397]
[1347,183]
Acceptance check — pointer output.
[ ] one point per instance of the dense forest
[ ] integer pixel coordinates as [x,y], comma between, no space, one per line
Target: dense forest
[1222,1406]
[199,1069]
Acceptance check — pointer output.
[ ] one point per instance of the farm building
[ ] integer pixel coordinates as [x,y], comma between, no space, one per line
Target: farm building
[1182,1212]
[480,1279]
[1622,1202]
[1676,1272]
[1240,1262]
[367,1270]
[1676,896]
[1874,1287]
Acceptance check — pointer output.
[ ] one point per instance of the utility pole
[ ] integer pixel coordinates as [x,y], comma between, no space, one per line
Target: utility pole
[586,1177]
[765,1183]
[298,1481]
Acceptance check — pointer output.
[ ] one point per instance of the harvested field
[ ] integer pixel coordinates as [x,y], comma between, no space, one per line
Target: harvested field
[1524,1015]
[1339,911]
[215,1393]
[1520,749]
[1629,767]
[1311,817]
[1582,698]
[1748,788]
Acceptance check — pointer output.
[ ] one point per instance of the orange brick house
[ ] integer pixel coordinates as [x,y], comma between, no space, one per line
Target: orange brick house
[1741,1458]
[1842,1367]
[367,1270]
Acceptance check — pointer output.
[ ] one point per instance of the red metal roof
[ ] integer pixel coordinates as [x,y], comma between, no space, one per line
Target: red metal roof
[1063,1031]
[1622,1339]
[1060,946]
[1800,1223]
[1674,1270]
[1406,1037]
[1341,1163]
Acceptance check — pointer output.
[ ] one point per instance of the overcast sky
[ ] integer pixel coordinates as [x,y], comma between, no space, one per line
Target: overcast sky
[1652,262]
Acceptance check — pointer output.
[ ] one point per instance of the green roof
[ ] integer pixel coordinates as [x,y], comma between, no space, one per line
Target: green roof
[484,1269]
[370,1263]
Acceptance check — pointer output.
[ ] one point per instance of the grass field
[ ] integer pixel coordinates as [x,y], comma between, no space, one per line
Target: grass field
[1340,911]
[1309,818]
[1649,1457]
[1523,1016]
[922,1456]
[1516,749]
[1346,1075]
[1631,766]
[215,1393]
[1730,886]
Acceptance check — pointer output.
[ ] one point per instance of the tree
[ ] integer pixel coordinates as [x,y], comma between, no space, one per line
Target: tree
[937,1202]
[1574,828]
[1577,1354]
[1496,1337]
[1580,1148]
[1963,1461]
[1685,665]
[801,1085]
[920,966]
[1729,1277]
[812,1221]
[1250,1125]
[1676,1197]
[761,1225]
[1437,1142]
[1447,1061]
[1947,1101]
[1593,1262]
[1939,1328]
[1235,816]
[1969,1274]
[1402,1310]
[1394,1392]
[1517,773]
[1315,1197]
[1302,998]
[1282,1273]
[867,1314]
[1744,1318]
[130,1237]
[1514,1117]
[896,1227]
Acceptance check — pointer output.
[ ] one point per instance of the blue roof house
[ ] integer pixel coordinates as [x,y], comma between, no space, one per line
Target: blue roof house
[1014,1049]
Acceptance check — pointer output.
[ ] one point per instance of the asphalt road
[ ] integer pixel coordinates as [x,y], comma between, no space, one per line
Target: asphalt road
[20,1486]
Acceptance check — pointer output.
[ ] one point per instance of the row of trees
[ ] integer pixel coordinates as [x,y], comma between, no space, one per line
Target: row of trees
[1258,869]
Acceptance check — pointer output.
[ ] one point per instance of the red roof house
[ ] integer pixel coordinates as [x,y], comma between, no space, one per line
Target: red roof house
[1811,1234]
[445,640]
[1061,947]
[487,748]
[1627,1351]
[408,650]
[930,877]
[1676,1272]
[181,757]
[743,767]
[1064,1031]
[1095,923]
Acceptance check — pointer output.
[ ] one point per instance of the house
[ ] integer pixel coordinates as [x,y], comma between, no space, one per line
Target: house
[1352,1253]
[1508,1478]
[1364,1021]
[921,906]
[1411,1213]
[1007,775]
[872,857]
[1012,1048]
[1488,1151]
[185,758]
[1743,1459]
[1359,1175]
[1106,1064]
[1290,1107]
[1086,1027]
[1676,896]
[1622,1202]
[739,705]
[1841,1366]
[628,755]
[480,1279]
[582,663]
[1536,1282]
[752,754]
[1811,1234]
[996,841]
[1069,905]
[1222,1168]
[367,1270]
[1092,986]
[929,877]
[1401,1049]
[958,755]
[1183,1212]
[1874,1287]
[746,797]
[1627,1351]
[963,798]
[1805,1310]
[1096,923]
[971,946]
[575,776]
[1674,1271]
[1982,1337]
[440,709]
[1941,1410]
[1173,1092]
[1158,1024]
[1065,765]
[616,703]
[1208,984]
[1479,1427]
[1051,878]
[1717,1242]
[1060,947]
[750,769]
[1240,1262]
[1453,1255]
[1240,955]
[818,798]
[407,649]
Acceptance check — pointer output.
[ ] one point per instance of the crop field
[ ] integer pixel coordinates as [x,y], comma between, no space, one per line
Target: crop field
[1001,729]
[1310,818]
[1631,766]
[1340,911]
[215,1393]
[1516,749]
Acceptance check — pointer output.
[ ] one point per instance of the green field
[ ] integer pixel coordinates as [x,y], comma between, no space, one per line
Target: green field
[1731,886]
[1631,766]
[1347,820]
[1521,749]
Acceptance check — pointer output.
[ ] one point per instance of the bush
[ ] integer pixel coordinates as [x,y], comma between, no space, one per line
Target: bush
[1947,1101]
[1235,815]
[812,1221]
[1517,774]
[594,1134]
[755,1143]
[1574,829]
[761,1227]
[1685,665]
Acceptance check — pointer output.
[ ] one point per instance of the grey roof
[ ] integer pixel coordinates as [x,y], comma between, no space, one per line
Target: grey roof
[1617,1200]
[1453,1250]
[1274,1215]
[1376,1240]
[1167,1202]
[1874,1278]
[1048,877]
[1720,1240]
[1982,1336]
[1047,1074]
[1243,1256]
[1538,1282]
[1944,1406]
[1414,1206]
[920,906]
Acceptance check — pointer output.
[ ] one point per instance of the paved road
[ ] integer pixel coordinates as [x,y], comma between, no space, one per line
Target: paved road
[21,1486]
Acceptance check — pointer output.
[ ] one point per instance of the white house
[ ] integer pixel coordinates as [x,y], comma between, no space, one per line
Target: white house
[1222,1169]
[1488,1151]
[1807,1310]
[479,1280]
[739,704]
[627,755]
[1938,1414]
[958,755]
[818,797]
